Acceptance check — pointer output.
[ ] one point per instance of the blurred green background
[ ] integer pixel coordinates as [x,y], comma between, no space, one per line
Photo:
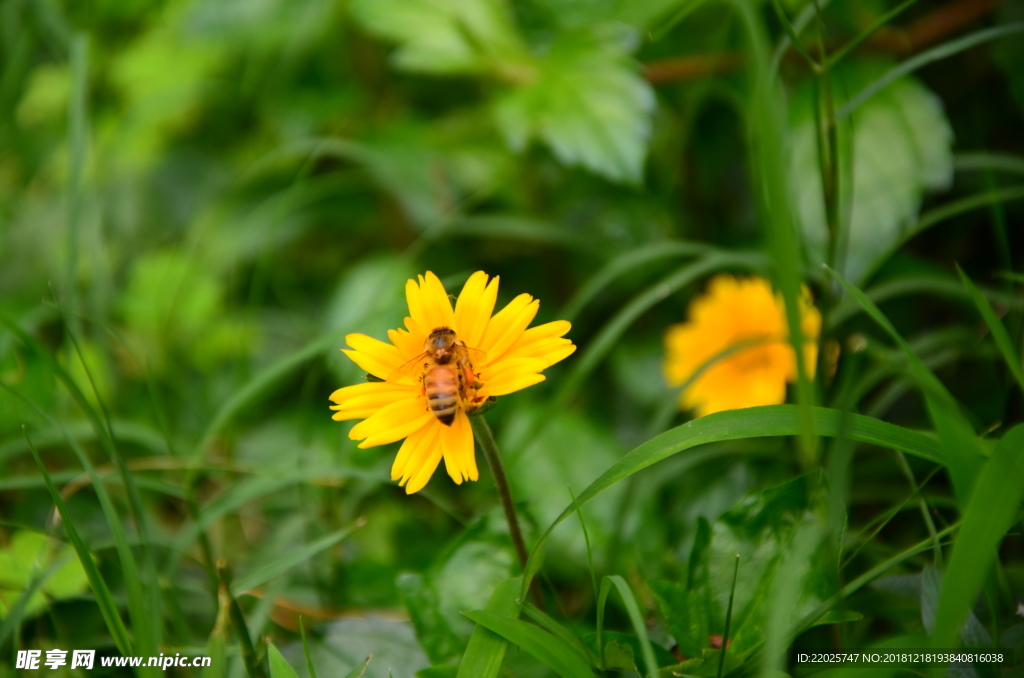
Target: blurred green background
[200,198]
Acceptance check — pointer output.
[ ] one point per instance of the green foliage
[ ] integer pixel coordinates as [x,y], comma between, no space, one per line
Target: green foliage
[901,145]
[31,565]
[200,199]
[587,103]
[279,667]
[437,37]
[761,530]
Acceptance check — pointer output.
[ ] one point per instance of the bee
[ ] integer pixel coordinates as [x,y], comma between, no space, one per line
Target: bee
[446,374]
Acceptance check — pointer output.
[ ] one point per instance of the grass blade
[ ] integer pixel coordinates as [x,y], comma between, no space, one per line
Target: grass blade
[635,618]
[142,600]
[279,667]
[358,671]
[868,32]
[129,569]
[996,327]
[290,560]
[305,650]
[793,37]
[104,600]
[999,162]
[728,618]
[542,646]
[586,538]
[767,128]
[754,422]
[622,264]
[897,287]
[547,623]
[253,665]
[989,515]
[959,442]
[486,649]
[946,49]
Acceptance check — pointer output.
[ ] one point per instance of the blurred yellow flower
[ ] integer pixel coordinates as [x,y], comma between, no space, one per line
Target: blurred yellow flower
[459,358]
[743,313]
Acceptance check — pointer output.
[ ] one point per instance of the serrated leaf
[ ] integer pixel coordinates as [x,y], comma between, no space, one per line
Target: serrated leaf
[901,148]
[761,529]
[434,36]
[587,103]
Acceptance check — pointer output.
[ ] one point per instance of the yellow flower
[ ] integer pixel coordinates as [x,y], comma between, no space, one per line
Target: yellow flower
[736,311]
[503,356]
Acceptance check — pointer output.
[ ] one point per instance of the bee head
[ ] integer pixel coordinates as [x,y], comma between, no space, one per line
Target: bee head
[440,342]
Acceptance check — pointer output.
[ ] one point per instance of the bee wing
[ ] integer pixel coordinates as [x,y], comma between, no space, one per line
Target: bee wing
[408,369]
[475,355]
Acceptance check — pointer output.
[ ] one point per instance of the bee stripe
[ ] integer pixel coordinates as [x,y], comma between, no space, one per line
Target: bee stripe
[441,386]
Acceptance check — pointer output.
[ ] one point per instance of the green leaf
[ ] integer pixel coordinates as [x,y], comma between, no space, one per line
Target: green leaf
[486,649]
[685,612]
[901,148]
[433,631]
[288,561]
[992,509]
[29,556]
[544,647]
[763,529]
[279,668]
[635,618]
[587,103]
[995,326]
[472,36]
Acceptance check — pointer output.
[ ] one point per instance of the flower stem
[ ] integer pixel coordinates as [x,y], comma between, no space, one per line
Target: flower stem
[490,449]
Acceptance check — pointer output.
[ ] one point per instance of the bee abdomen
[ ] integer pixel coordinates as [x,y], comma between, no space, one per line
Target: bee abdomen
[441,386]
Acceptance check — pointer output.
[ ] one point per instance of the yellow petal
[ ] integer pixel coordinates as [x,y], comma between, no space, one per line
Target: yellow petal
[410,454]
[419,470]
[550,351]
[436,303]
[543,341]
[504,369]
[345,395]
[507,326]
[474,307]
[407,345]
[362,400]
[374,356]
[510,385]
[414,297]
[457,445]
[392,423]
[365,406]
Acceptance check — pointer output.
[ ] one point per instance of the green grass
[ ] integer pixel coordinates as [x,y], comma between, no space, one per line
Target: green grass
[199,201]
